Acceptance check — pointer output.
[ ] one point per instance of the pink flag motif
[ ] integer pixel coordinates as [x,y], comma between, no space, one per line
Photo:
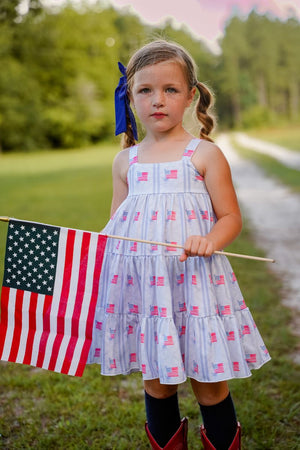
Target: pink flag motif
[112,363]
[49,295]
[115,279]
[188,152]
[171,215]
[142,176]
[245,330]
[198,176]
[163,311]
[132,357]
[219,280]
[124,216]
[182,306]
[194,311]
[129,280]
[154,215]
[110,308]
[204,215]
[133,309]
[129,330]
[171,174]
[251,357]
[180,278]
[191,214]
[171,249]
[168,340]
[230,335]
[172,372]
[154,310]
[195,367]
[236,366]
[213,337]
[225,310]
[218,368]
[182,330]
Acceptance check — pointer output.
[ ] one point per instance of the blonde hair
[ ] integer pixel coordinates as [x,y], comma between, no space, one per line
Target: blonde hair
[159,51]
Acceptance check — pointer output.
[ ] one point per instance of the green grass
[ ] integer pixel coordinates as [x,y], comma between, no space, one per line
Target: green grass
[272,167]
[286,136]
[44,410]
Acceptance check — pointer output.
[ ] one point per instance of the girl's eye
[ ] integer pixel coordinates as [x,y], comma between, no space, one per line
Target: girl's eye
[144,91]
[171,90]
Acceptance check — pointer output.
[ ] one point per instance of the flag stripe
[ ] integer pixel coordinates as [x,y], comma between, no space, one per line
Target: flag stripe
[10,323]
[63,299]
[39,313]
[53,313]
[32,328]
[18,306]
[81,286]
[83,324]
[46,330]
[75,274]
[24,326]
[4,317]
[101,243]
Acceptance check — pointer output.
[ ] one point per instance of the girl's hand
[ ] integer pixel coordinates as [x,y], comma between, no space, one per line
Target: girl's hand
[197,246]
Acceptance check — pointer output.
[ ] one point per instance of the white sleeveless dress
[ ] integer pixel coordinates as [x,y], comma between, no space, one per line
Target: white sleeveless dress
[168,319]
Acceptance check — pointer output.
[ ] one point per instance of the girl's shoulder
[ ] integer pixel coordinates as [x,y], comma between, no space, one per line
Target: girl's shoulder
[121,163]
[207,154]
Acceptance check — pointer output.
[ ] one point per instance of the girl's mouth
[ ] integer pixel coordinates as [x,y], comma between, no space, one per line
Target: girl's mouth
[158,115]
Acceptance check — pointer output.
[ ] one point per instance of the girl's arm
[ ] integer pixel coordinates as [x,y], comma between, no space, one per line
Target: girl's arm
[212,164]
[119,173]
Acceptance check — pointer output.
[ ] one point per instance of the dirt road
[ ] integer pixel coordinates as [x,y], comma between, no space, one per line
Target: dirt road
[274,212]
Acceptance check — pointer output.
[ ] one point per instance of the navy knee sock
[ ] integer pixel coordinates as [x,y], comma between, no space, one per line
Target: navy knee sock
[220,423]
[163,417]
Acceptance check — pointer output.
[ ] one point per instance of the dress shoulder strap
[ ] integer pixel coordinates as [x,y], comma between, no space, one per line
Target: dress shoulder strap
[191,147]
[133,155]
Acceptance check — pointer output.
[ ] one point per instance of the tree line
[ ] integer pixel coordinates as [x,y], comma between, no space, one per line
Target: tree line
[59,71]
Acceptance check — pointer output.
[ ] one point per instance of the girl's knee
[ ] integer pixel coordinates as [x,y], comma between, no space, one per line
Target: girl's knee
[210,393]
[158,390]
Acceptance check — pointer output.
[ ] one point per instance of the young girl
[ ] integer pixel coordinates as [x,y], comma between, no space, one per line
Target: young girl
[168,313]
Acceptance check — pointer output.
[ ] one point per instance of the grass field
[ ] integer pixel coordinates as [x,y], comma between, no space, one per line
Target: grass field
[44,410]
[286,136]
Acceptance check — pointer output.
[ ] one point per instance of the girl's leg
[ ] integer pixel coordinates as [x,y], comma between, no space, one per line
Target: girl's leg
[217,411]
[162,410]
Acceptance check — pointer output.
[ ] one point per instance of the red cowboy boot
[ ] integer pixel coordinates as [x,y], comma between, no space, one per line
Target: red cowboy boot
[235,445]
[177,442]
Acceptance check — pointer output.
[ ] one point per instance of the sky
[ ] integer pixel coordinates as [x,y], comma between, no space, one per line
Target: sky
[206,18]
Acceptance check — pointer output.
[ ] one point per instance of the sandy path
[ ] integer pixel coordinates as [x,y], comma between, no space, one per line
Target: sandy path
[274,212]
[287,157]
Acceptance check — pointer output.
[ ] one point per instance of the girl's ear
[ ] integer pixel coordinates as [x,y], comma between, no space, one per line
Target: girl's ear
[191,95]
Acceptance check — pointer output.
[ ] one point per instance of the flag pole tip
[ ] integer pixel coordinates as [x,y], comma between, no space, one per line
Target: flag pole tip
[4,219]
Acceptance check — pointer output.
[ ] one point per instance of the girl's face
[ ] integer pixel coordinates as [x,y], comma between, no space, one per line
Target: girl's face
[160,95]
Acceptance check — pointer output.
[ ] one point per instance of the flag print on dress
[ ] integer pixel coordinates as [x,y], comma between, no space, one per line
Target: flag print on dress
[49,295]
[186,318]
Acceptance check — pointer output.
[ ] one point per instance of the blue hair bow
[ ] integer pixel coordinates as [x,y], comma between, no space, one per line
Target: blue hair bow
[122,106]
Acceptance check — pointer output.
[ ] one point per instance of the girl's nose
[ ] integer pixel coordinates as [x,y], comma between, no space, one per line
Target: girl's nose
[158,99]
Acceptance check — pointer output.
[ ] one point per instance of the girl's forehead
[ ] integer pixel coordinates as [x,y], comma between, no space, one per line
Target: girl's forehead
[161,71]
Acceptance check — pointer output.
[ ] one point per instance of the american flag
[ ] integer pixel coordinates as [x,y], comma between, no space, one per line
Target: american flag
[49,295]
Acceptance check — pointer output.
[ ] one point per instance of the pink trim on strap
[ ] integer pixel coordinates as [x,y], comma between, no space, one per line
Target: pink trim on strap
[133,158]
[191,147]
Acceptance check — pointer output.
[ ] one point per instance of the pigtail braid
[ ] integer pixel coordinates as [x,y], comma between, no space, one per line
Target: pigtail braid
[203,106]
[128,137]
